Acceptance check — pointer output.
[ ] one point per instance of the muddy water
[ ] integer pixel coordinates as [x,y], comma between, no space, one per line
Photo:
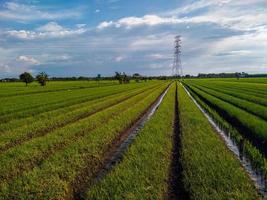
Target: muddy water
[118,154]
[255,176]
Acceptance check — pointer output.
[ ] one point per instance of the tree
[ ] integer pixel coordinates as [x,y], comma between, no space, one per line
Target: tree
[98,78]
[137,77]
[118,76]
[122,77]
[125,78]
[42,78]
[26,78]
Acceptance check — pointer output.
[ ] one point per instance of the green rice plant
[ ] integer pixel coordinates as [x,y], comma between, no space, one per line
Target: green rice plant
[256,126]
[41,125]
[237,93]
[26,156]
[17,88]
[209,168]
[13,107]
[255,109]
[257,159]
[55,176]
[144,170]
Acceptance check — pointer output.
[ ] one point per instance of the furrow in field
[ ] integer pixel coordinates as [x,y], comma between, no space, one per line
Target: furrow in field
[54,176]
[32,153]
[19,136]
[176,188]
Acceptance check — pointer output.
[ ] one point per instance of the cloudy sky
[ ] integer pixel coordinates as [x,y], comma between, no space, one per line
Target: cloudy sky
[87,37]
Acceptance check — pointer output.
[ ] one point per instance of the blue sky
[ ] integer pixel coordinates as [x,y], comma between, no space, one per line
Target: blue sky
[85,38]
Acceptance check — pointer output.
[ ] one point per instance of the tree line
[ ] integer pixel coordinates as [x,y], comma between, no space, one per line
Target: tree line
[42,78]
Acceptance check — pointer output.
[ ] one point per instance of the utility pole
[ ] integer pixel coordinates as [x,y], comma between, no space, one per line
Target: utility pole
[177,70]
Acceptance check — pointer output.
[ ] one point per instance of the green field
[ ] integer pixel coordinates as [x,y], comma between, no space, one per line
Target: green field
[56,140]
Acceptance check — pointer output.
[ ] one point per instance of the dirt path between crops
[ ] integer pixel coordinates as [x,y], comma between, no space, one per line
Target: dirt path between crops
[114,152]
[176,188]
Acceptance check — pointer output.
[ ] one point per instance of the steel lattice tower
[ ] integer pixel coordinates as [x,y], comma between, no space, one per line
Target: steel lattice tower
[177,65]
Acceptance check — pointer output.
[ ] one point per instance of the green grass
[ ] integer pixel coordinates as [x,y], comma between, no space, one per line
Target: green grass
[210,169]
[144,171]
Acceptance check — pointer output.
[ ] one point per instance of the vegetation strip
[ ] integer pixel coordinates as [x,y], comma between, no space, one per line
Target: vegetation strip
[55,114]
[251,127]
[255,109]
[59,170]
[46,102]
[115,154]
[210,170]
[14,138]
[26,156]
[144,170]
[37,90]
[234,146]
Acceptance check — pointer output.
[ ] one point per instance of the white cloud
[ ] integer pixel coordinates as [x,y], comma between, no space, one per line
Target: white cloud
[225,13]
[158,56]
[25,12]
[28,59]
[149,20]
[120,58]
[49,30]
[105,24]
[154,41]
[50,27]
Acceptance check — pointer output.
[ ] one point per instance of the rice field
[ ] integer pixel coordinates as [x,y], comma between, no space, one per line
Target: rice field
[147,140]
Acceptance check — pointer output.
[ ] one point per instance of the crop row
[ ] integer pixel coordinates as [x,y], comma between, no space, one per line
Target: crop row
[22,107]
[210,170]
[18,89]
[144,171]
[248,125]
[44,117]
[251,88]
[51,121]
[258,110]
[236,93]
[51,164]
[257,159]
[32,150]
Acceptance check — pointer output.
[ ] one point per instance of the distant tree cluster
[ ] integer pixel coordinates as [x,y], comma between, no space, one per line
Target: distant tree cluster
[122,77]
[27,78]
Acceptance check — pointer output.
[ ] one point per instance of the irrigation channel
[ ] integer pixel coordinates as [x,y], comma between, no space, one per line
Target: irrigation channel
[117,154]
[255,176]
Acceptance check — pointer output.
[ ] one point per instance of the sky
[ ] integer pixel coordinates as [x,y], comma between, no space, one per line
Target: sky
[90,37]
